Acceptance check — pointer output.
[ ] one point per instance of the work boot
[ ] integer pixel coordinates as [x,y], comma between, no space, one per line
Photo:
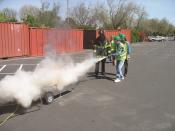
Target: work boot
[103,73]
[96,74]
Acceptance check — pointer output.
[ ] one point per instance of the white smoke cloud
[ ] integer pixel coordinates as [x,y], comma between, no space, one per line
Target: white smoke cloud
[52,73]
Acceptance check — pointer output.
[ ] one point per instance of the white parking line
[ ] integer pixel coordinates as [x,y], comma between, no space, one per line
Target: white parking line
[27,58]
[20,67]
[19,64]
[2,68]
[7,73]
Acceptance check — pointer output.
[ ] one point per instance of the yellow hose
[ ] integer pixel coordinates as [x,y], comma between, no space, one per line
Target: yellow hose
[8,117]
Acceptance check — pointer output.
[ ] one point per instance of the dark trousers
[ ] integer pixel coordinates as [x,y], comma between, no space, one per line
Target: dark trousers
[126,67]
[102,67]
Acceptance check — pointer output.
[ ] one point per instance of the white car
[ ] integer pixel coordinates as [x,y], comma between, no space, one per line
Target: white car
[156,38]
[159,38]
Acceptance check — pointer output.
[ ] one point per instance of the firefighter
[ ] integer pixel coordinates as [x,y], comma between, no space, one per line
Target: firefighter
[100,52]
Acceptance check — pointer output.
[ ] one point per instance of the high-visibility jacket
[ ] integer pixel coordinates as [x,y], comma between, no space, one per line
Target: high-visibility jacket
[121,51]
[107,45]
[108,48]
[100,51]
[113,46]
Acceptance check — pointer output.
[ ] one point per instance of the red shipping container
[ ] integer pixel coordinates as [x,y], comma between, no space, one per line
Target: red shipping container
[91,35]
[60,40]
[19,40]
[14,39]
[110,33]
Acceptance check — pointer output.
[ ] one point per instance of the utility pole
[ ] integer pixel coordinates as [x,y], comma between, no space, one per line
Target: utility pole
[68,11]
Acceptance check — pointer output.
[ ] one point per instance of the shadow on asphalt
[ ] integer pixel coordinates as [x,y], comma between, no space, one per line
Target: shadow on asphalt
[62,94]
[14,110]
[107,76]
[6,109]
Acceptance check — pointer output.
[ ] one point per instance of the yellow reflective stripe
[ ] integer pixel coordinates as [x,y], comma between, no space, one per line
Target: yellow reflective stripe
[122,48]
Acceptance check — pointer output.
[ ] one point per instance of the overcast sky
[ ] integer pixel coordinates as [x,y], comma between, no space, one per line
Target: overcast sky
[155,8]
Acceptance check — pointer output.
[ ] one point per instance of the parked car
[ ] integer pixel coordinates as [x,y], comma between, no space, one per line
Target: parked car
[156,38]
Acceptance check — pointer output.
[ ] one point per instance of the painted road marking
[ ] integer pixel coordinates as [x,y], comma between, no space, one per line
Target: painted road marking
[2,68]
[7,73]
[20,67]
[18,64]
[27,58]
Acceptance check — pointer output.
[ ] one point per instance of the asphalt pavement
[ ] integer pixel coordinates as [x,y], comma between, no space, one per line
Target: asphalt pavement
[143,101]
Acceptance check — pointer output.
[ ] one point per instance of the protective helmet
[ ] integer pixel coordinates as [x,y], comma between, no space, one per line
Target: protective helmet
[116,38]
[122,36]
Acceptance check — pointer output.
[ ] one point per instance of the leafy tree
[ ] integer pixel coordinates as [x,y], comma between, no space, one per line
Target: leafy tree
[2,17]
[8,15]
[157,27]
[31,20]
[49,18]
[135,35]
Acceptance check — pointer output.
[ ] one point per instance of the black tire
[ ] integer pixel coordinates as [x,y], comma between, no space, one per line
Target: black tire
[48,98]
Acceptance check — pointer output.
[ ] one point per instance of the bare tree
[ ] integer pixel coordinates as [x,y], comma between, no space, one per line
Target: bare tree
[141,15]
[9,13]
[80,14]
[125,14]
[99,15]
[45,4]
[130,15]
[28,10]
[117,11]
